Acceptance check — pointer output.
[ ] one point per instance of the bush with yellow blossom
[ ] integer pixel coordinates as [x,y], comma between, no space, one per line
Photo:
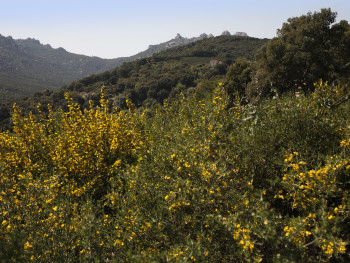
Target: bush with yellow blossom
[195,180]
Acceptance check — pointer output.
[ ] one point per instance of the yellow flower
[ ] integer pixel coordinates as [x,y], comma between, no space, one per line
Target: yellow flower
[27,245]
[342,248]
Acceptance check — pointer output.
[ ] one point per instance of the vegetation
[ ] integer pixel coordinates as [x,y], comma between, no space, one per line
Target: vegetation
[306,49]
[147,81]
[216,174]
[27,67]
[191,181]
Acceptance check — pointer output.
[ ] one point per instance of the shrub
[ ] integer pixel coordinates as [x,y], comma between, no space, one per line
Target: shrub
[192,180]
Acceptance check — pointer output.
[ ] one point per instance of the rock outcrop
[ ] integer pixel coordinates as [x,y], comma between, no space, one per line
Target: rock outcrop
[240,34]
[226,33]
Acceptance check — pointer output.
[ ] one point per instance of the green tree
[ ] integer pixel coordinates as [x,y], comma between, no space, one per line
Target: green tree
[306,49]
[341,49]
[238,76]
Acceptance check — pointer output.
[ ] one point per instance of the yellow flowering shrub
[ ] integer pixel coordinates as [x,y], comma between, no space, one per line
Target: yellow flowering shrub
[53,166]
[194,180]
[320,199]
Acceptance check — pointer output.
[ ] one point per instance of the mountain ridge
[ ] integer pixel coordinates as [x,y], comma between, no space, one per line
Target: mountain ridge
[145,81]
[28,66]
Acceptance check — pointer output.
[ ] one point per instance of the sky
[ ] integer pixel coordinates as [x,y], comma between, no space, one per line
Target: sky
[121,28]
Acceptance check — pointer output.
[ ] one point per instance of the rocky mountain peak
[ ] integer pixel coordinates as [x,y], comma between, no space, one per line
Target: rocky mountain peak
[241,34]
[226,33]
[178,36]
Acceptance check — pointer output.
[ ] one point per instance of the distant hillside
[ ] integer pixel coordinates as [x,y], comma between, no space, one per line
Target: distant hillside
[177,41]
[27,66]
[164,75]
[145,81]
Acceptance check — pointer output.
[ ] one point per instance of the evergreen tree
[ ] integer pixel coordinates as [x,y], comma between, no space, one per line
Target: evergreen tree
[306,49]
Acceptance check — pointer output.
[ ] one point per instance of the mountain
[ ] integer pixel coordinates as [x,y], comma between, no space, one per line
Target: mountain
[175,42]
[144,81]
[148,81]
[179,41]
[165,74]
[27,66]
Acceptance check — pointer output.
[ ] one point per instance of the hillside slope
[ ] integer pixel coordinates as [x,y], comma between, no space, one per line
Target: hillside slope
[167,73]
[27,66]
[148,81]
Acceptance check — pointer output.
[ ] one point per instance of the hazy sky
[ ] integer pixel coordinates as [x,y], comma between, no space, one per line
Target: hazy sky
[115,28]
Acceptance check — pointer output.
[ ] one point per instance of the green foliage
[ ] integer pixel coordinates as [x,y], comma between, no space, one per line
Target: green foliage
[192,180]
[156,78]
[238,77]
[226,48]
[306,49]
[328,96]
[201,178]
[149,81]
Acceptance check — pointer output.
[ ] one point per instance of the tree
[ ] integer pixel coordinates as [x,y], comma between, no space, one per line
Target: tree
[341,49]
[306,49]
[238,76]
